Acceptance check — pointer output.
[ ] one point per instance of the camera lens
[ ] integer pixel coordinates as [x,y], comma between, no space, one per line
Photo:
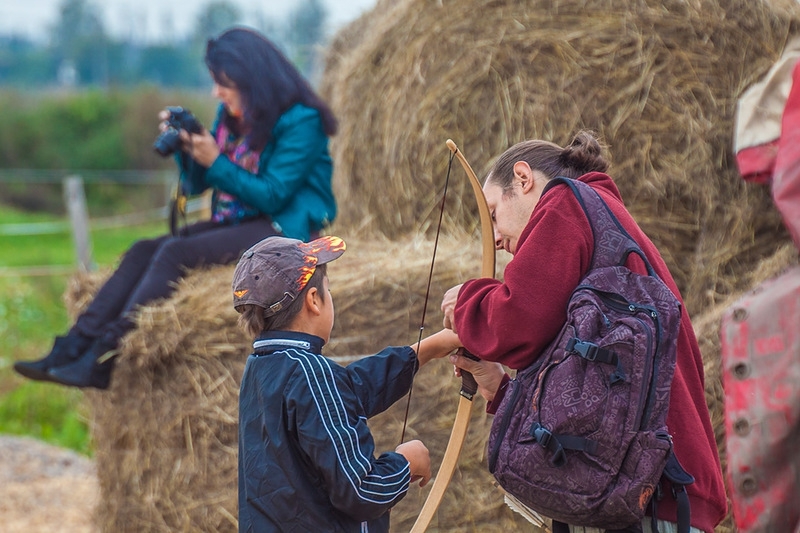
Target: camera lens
[168,142]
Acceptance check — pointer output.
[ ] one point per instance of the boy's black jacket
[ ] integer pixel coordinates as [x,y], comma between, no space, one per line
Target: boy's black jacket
[306,456]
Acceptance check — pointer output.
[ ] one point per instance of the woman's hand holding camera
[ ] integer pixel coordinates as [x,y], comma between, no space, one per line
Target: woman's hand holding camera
[200,146]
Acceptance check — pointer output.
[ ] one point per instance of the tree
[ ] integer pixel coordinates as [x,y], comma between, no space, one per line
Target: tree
[307,30]
[23,63]
[80,43]
[214,18]
[171,66]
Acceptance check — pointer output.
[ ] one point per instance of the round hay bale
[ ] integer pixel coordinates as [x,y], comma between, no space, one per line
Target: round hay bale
[658,80]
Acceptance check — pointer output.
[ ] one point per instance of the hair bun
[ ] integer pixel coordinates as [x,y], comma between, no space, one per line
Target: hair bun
[584,154]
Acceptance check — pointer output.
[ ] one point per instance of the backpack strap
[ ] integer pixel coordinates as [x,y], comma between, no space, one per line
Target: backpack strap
[560,527]
[594,353]
[679,478]
[556,444]
[612,244]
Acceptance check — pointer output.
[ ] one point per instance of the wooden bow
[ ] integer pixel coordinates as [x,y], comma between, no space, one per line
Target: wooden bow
[468,385]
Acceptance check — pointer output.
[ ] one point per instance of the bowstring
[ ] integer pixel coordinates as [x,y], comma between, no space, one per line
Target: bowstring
[428,288]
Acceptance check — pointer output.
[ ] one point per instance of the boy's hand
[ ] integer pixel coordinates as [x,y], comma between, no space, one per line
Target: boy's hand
[419,460]
[437,346]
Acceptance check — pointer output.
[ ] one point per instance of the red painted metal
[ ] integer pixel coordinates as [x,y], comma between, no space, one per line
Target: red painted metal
[760,341]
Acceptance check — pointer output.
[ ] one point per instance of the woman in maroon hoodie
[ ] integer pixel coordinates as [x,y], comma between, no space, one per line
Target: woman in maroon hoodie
[511,322]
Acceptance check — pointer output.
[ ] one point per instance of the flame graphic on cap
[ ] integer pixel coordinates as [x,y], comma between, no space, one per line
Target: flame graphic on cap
[306,271]
[328,243]
[312,249]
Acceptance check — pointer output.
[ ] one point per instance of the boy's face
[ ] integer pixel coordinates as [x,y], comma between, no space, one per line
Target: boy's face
[326,307]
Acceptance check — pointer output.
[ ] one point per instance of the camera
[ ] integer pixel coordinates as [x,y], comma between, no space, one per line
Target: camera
[170,140]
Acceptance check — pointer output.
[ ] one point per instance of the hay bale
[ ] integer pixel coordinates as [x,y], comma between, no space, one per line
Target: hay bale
[165,433]
[657,79]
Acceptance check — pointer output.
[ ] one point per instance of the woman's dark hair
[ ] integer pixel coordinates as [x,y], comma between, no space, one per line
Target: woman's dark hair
[582,155]
[268,82]
[253,321]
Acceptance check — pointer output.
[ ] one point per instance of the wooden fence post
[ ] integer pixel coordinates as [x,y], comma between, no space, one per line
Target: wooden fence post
[75,199]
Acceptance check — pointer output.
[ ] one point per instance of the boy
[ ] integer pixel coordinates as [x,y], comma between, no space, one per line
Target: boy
[306,455]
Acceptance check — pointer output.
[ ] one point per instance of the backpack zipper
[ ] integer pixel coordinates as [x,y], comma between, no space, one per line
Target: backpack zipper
[651,395]
[649,383]
[647,389]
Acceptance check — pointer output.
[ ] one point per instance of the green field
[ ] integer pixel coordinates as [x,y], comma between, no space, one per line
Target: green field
[32,312]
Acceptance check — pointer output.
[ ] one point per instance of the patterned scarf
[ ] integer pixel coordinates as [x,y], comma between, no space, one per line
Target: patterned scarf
[227,208]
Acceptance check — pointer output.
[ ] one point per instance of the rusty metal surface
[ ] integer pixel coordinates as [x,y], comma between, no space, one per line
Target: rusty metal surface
[760,341]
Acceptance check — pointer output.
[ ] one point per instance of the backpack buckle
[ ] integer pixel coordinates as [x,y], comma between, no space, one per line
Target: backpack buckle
[587,350]
[541,434]
[550,443]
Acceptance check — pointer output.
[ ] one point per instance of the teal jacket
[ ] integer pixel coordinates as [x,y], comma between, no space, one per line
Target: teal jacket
[293,183]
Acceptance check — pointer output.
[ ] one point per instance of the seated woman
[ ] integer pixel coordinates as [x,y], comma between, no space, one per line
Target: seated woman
[266,159]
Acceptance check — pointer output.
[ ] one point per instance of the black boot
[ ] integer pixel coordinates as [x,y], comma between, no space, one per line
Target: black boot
[87,371]
[65,350]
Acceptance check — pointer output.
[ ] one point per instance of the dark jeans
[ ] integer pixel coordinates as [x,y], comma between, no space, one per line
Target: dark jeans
[150,267]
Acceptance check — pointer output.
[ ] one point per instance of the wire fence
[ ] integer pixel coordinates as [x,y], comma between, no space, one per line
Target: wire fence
[77,222]
[57,227]
[143,177]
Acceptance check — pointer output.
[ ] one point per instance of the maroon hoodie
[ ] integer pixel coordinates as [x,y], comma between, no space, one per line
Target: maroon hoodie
[513,321]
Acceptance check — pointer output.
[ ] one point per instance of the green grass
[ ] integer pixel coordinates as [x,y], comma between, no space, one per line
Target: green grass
[32,313]
[47,412]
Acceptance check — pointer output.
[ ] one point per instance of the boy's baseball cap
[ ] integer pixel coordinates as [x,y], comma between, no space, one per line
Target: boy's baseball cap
[273,272]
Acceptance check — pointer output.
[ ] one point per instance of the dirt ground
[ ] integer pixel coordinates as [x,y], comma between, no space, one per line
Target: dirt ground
[44,488]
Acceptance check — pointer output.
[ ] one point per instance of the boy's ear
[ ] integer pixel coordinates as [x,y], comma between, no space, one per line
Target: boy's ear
[312,301]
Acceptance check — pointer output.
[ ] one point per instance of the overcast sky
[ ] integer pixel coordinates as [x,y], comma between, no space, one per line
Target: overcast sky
[154,20]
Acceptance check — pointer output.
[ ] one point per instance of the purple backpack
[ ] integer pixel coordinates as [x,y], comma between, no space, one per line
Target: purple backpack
[581,435]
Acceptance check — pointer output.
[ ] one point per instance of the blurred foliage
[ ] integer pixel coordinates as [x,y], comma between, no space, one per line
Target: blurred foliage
[24,63]
[216,16]
[47,412]
[79,131]
[89,130]
[306,24]
[30,312]
[81,53]
[64,133]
